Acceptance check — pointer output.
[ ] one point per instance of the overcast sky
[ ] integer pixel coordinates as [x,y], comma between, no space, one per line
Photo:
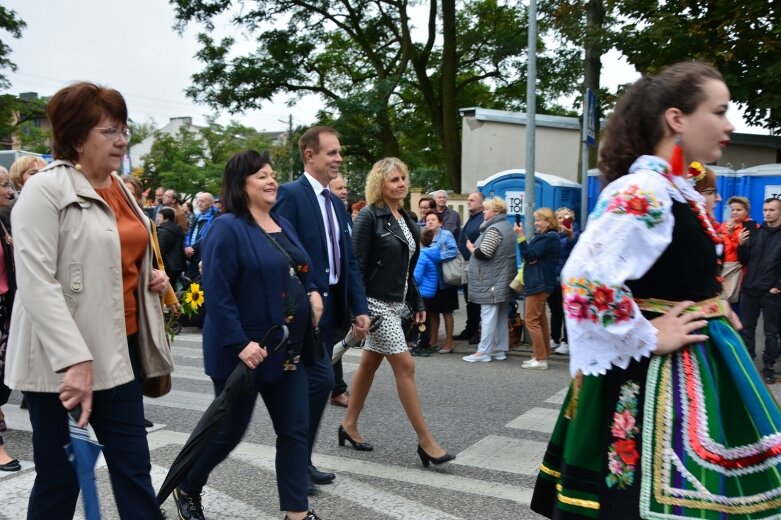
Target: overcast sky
[130,45]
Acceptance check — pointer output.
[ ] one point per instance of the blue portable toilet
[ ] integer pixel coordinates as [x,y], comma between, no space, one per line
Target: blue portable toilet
[550,191]
[596,183]
[758,183]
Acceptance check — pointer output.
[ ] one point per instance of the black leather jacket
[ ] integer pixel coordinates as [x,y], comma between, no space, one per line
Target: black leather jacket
[381,252]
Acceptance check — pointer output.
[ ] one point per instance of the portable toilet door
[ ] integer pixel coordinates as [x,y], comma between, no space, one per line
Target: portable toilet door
[596,183]
[759,183]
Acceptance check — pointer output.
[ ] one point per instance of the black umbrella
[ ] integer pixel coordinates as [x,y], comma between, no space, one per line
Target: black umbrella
[349,341]
[240,382]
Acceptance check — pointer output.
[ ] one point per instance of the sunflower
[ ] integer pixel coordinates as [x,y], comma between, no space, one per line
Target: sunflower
[194,296]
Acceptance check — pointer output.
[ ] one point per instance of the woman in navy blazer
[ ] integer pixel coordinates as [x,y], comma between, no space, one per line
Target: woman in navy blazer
[255,276]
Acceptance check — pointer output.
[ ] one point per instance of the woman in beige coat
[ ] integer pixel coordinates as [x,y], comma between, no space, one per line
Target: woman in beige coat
[87,323]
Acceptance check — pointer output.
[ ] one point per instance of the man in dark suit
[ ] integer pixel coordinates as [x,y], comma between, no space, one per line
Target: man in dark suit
[321,222]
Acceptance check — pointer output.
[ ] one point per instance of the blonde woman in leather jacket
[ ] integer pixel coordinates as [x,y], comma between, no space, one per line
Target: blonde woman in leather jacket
[385,243]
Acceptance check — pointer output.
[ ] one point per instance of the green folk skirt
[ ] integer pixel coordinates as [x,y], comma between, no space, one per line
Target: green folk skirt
[693,434]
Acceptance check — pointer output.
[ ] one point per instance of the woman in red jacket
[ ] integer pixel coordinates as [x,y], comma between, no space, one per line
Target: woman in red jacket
[732,271]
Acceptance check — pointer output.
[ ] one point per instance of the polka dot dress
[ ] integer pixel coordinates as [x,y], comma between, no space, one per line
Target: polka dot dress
[389,339]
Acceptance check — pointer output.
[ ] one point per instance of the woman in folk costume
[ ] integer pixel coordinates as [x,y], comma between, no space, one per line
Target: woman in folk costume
[667,417]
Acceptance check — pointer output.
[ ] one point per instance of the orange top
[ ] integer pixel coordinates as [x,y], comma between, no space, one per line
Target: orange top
[133,240]
[731,241]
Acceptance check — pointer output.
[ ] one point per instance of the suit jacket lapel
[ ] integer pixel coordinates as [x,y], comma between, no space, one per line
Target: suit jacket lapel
[314,203]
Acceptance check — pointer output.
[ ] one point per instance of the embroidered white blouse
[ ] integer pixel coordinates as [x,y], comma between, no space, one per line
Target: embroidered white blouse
[629,229]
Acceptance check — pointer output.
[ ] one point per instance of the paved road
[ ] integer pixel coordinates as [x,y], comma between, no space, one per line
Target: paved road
[495,416]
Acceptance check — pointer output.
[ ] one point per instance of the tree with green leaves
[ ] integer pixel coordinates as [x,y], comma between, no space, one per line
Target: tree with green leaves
[194,159]
[21,118]
[13,25]
[742,39]
[361,57]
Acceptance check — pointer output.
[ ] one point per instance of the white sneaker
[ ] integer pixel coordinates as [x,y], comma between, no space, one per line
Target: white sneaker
[499,355]
[538,365]
[553,344]
[528,362]
[471,358]
[563,349]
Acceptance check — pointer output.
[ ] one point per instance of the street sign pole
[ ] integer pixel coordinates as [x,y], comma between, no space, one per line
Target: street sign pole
[531,119]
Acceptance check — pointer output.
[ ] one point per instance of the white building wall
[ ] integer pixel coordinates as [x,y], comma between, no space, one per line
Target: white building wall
[491,146]
[139,150]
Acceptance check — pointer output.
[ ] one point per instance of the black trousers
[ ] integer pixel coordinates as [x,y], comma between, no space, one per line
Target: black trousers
[751,304]
[118,420]
[558,327]
[472,314]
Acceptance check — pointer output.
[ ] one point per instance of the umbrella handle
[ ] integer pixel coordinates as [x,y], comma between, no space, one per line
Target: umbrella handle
[75,413]
[270,334]
[375,323]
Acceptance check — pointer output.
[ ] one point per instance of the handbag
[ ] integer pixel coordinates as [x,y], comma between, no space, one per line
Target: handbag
[517,282]
[454,271]
[732,274]
[158,386]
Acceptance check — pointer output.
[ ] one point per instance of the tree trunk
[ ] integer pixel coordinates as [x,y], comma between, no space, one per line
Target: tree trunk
[390,144]
[593,45]
[451,139]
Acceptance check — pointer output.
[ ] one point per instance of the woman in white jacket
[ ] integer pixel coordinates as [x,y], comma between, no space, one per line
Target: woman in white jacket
[87,324]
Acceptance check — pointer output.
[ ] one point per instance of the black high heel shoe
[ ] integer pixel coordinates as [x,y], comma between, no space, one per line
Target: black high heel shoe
[427,459]
[360,446]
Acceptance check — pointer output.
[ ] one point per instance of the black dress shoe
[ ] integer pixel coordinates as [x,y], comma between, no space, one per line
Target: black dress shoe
[474,340]
[464,334]
[320,477]
[12,465]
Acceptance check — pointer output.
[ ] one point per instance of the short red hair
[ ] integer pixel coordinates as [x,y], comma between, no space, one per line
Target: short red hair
[77,109]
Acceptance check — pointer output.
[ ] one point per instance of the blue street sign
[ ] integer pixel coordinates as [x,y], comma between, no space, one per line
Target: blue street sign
[591,118]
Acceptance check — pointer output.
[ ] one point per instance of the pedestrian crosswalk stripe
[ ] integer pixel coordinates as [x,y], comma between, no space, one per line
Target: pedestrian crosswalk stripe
[435,477]
[537,419]
[198,401]
[216,504]
[189,372]
[389,504]
[519,456]
[558,397]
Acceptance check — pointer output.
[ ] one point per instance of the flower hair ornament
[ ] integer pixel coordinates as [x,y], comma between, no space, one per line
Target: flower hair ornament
[697,172]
